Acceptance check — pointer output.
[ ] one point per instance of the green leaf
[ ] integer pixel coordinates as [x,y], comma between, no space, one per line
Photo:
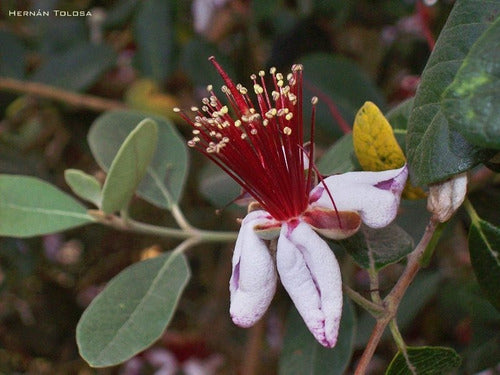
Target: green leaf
[470,103]
[194,60]
[129,166]
[12,55]
[164,180]
[424,360]
[302,354]
[339,158]
[484,247]
[84,185]
[381,247]
[436,152]
[340,81]
[154,37]
[31,207]
[133,311]
[76,69]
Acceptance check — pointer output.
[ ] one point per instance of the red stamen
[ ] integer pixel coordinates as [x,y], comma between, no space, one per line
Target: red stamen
[261,151]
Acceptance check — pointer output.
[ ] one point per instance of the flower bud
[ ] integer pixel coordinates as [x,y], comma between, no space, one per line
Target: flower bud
[445,197]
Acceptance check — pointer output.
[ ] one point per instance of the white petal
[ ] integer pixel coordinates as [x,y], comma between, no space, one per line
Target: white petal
[253,281]
[375,195]
[310,273]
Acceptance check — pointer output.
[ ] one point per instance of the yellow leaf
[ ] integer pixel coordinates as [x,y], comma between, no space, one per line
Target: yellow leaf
[376,146]
[374,141]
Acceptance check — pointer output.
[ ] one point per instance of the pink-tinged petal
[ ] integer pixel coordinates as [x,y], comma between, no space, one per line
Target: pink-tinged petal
[253,281]
[332,224]
[310,274]
[375,195]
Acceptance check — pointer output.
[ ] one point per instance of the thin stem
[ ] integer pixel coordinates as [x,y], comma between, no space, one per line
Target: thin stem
[471,211]
[374,283]
[396,335]
[132,225]
[392,300]
[180,218]
[90,102]
[203,235]
[373,308]
[371,346]
[400,342]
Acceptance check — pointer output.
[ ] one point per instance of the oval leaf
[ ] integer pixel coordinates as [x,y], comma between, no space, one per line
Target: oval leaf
[164,180]
[424,360]
[31,207]
[129,166]
[133,311]
[484,247]
[302,354]
[436,152]
[84,185]
[470,103]
[76,69]
[374,142]
[379,247]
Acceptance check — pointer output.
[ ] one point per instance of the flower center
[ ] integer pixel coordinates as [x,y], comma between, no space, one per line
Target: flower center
[260,147]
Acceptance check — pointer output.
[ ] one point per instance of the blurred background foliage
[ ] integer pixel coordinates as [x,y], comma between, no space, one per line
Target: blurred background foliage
[152,55]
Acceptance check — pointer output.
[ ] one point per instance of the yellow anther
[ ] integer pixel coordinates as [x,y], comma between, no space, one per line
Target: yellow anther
[262,73]
[176,109]
[279,76]
[210,88]
[283,111]
[275,95]
[258,89]
[194,109]
[237,123]
[314,100]
[224,110]
[287,130]
[289,116]
[271,113]
[272,70]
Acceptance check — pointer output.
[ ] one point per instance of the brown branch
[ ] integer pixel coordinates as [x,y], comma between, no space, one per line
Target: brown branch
[392,300]
[252,349]
[93,103]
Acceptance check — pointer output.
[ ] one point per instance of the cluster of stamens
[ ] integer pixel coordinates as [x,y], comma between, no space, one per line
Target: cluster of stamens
[260,147]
